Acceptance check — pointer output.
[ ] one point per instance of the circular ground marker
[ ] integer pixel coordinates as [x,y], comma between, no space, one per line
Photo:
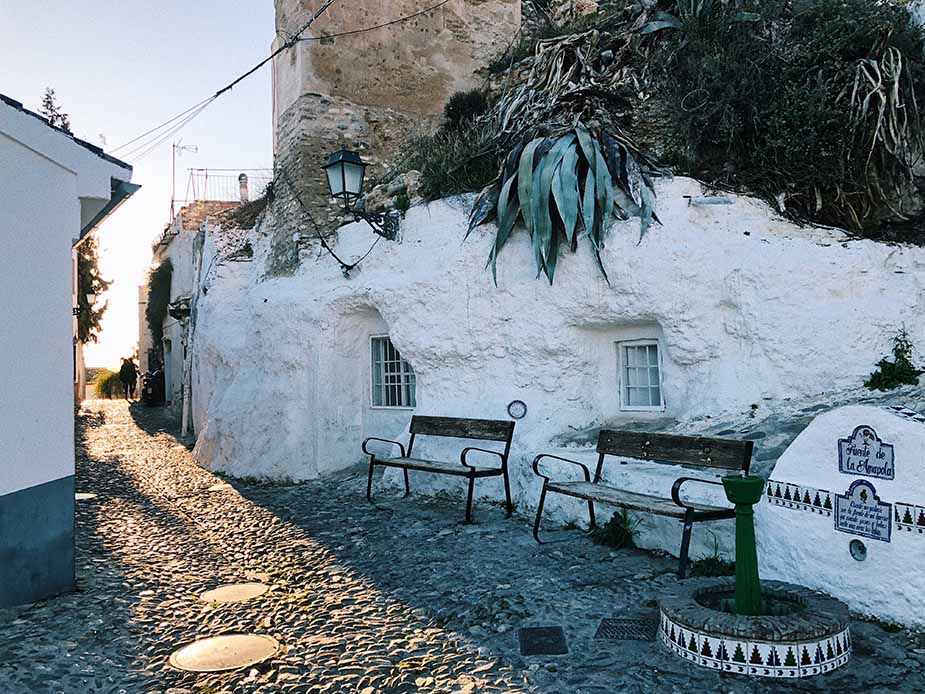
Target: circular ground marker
[220,487]
[235,592]
[229,652]
[84,496]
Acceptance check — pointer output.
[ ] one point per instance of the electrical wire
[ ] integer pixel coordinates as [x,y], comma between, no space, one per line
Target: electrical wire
[189,114]
[325,37]
[345,267]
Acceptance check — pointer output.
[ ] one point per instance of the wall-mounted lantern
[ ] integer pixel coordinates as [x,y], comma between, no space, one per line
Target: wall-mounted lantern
[345,171]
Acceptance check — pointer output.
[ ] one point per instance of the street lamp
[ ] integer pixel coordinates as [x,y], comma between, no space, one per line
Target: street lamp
[91,299]
[345,171]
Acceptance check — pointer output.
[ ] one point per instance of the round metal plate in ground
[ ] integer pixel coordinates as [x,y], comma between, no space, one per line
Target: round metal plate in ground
[228,652]
[235,592]
[84,496]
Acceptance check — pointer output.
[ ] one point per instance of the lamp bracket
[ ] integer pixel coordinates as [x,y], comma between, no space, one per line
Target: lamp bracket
[387,225]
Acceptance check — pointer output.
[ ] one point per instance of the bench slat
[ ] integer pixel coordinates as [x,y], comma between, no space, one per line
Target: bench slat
[483,429]
[628,500]
[700,451]
[438,466]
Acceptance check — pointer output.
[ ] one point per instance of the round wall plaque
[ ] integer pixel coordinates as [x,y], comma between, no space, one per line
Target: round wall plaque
[858,550]
[517,409]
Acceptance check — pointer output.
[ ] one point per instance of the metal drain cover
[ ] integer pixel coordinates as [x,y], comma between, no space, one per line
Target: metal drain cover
[235,592]
[228,652]
[84,496]
[628,629]
[542,641]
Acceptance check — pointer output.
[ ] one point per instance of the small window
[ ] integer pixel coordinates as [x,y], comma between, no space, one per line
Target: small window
[640,376]
[393,380]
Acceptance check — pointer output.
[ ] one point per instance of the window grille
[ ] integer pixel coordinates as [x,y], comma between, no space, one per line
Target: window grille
[640,375]
[393,382]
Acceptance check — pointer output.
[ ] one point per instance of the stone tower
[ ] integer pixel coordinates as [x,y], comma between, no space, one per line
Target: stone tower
[369,89]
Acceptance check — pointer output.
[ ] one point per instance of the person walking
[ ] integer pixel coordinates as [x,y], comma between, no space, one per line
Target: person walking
[128,374]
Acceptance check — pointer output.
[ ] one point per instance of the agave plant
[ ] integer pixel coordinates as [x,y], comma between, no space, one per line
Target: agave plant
[560,186]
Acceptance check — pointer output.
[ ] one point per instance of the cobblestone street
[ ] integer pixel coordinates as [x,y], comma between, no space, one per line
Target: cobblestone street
[397,597]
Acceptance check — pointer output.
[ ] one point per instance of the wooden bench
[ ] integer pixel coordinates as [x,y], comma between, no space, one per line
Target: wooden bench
[690,451]
[476,429]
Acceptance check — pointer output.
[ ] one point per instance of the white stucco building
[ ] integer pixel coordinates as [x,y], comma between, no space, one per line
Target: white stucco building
[54,190]
[753,325]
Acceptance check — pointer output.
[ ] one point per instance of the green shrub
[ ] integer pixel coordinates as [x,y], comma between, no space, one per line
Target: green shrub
[107,385]
[809,104]
[464,107]
[159,280]
[713,564]
[619,532]
[452,161]
[901,371]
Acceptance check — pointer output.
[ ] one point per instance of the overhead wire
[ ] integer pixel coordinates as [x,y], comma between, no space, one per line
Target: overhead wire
[182,119]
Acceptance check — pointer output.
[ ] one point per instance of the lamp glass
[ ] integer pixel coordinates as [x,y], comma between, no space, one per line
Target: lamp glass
[91,299]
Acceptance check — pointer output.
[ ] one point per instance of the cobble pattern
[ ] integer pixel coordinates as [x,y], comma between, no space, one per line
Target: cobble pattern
[365,599]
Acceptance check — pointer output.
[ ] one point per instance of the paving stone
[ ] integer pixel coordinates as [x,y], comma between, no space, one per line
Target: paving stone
[397,597]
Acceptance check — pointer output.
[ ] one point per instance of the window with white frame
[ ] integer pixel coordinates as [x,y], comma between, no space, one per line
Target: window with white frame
[392,377]
[640,375]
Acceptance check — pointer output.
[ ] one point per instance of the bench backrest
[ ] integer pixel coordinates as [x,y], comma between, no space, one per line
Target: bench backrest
[695,451]
[482,429]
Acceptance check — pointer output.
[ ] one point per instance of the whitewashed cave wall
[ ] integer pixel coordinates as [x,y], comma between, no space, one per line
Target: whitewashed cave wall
[749,310]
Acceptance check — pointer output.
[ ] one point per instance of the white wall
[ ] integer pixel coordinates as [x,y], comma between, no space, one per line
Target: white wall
[748,308]
[39,216]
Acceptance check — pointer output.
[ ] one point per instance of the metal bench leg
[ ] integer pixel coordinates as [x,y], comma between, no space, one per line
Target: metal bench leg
[591,515]
[469,500]
[539,514]
[507,494]
[369,481]
[407,482]
[685,544]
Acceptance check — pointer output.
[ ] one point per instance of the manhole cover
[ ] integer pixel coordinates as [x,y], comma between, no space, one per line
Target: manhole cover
[235,592]
[84,496]
[542,641]
[229,652]
[628,629]
[220,487]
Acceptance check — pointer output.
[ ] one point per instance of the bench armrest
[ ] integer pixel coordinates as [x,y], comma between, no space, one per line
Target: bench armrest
[374,438]
[462,456]
[536,462]
[676,488]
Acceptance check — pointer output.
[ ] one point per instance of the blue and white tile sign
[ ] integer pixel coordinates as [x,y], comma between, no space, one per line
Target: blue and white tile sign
[860,512]
[863,453]
[845,507]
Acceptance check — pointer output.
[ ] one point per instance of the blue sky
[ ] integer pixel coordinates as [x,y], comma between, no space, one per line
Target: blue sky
[119,69]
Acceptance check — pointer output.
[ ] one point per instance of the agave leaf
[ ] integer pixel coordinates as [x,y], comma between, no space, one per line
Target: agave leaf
[508,211]
[525,181]
[483,210]
[647,213]
[552,256]
[565,191]
[587,205]
[659,24]
[584,137]
[542,189]
[743,16]
[604,184]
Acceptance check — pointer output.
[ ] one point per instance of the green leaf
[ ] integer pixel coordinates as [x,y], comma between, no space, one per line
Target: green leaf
[542,189]
[743,16]
[658,25]
[508,211]
[525,181]
[565,191]
[484,207]
[587,205]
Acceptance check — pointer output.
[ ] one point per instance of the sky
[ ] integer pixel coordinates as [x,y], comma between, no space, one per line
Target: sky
[119,69]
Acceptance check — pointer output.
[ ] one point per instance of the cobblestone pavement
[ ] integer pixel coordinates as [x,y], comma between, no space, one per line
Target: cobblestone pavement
[397,597]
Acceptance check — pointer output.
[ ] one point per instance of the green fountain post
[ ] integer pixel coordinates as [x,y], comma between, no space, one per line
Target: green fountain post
[745,491]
